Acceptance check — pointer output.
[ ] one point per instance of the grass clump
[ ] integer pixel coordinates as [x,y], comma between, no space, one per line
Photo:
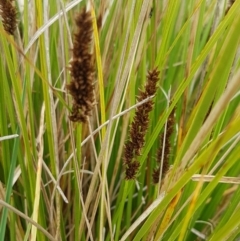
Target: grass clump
[119,121]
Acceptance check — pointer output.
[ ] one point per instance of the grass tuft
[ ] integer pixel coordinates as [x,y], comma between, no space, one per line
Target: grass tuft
[100,101]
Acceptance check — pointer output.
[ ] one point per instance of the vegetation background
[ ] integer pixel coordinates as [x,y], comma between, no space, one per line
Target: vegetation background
[61,180]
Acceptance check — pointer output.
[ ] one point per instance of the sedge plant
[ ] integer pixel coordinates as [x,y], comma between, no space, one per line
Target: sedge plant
[119,120]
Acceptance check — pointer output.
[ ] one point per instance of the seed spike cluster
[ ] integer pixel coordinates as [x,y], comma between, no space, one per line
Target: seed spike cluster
[139,126]
[81,69]
[167,149]
[9,16]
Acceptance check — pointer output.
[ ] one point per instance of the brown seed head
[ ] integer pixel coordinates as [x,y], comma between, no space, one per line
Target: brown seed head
[139,126]
[167,149]
[81,70]
[9,16]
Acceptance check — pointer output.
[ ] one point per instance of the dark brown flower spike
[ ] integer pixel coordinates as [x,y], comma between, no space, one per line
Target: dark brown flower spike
[9,16]
[167,149]
[81,69]
[139,126]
